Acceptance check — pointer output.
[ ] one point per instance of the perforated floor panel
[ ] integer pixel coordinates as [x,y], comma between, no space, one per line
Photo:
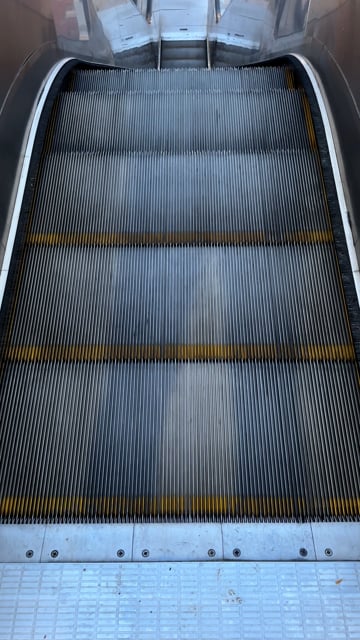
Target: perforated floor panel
[187,600]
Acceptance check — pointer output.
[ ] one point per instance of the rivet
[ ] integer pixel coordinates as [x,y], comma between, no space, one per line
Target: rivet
[328,552]
[211,553]
[236,552]
[54,553]
[145,553]
[303,552]
[29,553]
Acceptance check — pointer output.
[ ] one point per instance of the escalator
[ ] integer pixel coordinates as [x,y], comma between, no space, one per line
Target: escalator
[180,329]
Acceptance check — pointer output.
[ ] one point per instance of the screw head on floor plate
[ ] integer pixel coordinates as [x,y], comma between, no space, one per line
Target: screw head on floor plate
[211,553]
[145,553]
[303,552]
[328,552]
[120,553]
[236,552]
[54,553]
[29,553]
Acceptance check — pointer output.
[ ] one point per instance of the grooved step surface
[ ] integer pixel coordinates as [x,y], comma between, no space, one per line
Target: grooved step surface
[251,79]
[175,196]
[180,121]
[180,296]
[171,440]
[286,600]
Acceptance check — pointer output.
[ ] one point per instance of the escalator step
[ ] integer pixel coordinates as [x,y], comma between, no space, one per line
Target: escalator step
[247,79]
[182,296]
[179,121]
[164,198]
[171,440]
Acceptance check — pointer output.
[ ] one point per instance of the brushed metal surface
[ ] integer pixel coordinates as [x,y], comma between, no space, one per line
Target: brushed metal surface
[178,542]
[334,542]
[181,542]
[87,543]
[268,541]
[20,544]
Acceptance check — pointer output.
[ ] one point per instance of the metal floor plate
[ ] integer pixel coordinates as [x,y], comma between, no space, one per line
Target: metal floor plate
[180,600]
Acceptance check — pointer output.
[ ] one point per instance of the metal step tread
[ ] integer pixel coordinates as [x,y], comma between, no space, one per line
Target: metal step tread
[174,440]
[180,121]
[79,295]
[165,601]
[256,78]
[149,195]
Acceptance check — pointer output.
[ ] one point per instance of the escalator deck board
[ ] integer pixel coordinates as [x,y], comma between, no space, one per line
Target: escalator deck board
[176,343]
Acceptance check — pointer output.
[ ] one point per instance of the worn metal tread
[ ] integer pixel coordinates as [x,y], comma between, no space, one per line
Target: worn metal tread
[255,78]
[184,295]
[171,198]
[179,441]
[179,121]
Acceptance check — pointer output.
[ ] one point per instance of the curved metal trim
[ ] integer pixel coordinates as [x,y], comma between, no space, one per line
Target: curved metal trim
[339,180]
[25,158]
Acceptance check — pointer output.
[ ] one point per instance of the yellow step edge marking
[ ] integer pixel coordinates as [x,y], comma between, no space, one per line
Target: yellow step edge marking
[177,238]
[328,352]
[309,122]
[180,352]
[175,505]
[310,237]
[290,80]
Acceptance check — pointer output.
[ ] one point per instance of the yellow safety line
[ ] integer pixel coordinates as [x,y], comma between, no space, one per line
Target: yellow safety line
[328,352]
[181,352]
[290,80]
[309,122]
[177,238]
[178,505]
[310,237]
